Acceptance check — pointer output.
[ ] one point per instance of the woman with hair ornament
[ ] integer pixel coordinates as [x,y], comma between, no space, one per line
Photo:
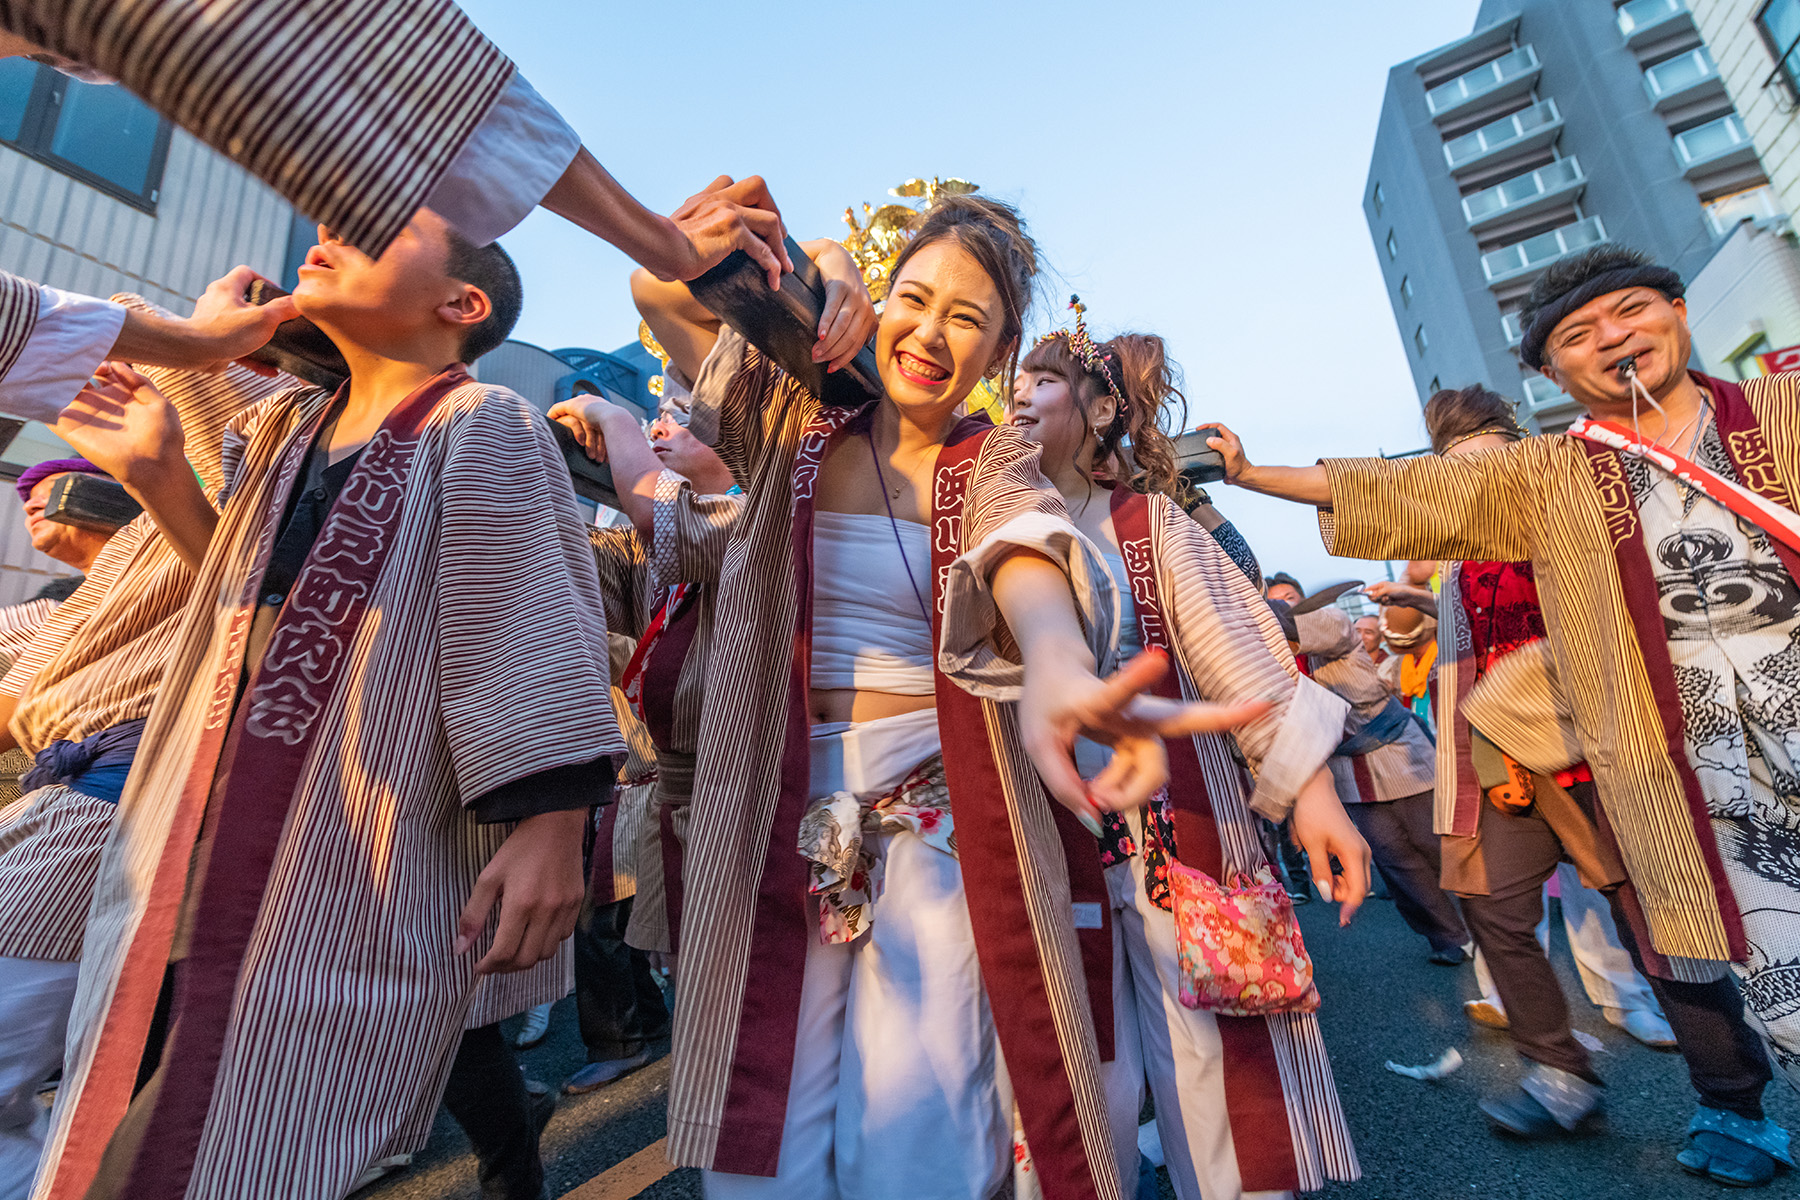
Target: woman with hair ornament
[878,930]
[1244,1105]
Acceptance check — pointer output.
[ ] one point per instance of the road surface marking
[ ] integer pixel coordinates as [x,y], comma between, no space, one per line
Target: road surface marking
[629,1177]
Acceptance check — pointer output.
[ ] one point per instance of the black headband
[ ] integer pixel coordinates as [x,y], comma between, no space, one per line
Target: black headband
[1552,313]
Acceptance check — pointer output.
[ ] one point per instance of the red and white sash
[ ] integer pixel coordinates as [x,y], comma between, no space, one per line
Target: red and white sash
[1773,519]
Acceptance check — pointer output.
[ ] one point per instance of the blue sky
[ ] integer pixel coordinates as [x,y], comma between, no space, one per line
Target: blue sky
[1191,169]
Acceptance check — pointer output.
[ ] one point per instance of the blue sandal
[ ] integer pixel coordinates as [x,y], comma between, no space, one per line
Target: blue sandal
[1733,1150]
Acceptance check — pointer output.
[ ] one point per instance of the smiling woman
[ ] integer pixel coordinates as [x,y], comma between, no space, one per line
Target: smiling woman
[917,633]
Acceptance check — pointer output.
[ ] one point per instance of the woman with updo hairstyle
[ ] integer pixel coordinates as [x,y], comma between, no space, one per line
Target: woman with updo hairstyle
[1100,414]
[878,911]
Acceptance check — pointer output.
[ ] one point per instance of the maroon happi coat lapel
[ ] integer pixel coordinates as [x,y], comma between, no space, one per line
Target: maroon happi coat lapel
[1255,1102]
[1756,469]
[252,785]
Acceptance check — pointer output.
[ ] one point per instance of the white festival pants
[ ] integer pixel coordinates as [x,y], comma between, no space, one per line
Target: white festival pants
[34,1020]
[1606,970]
[897,1091]
[1182,1052]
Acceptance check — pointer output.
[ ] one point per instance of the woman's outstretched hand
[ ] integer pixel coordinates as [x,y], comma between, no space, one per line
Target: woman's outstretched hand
[1325,832]
[1117,712]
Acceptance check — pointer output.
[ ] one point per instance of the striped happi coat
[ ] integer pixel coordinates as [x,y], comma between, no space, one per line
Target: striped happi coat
[483,659]
[19,301]
[98,660]
[748,914]
[690,534]
[1287,1125]
[351,109]
[1568,509]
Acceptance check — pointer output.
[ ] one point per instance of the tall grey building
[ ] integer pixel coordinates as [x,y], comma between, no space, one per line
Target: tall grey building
[1556,124]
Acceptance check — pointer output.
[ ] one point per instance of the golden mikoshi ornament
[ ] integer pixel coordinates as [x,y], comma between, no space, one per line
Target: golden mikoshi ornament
[648,341]
[876,241]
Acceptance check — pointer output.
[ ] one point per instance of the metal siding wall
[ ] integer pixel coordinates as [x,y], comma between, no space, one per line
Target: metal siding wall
[210,217]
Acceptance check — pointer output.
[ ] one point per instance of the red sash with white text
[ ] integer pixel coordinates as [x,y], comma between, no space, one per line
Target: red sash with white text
[272,733]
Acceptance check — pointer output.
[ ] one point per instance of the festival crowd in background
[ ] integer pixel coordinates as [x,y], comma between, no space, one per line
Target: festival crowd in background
[957,778]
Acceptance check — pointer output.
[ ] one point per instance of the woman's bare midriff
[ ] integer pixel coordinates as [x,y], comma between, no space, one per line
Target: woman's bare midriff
[830,705]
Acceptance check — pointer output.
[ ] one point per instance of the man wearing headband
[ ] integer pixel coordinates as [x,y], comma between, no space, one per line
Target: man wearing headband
[1662,533]
[69,544]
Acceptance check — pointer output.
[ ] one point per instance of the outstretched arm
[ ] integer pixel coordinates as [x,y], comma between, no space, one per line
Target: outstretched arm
[611,434]
[1063,697]
[1303,485]
[127,428]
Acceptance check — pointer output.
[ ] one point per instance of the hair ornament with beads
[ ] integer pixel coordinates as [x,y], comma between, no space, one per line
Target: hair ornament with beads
[1082,346]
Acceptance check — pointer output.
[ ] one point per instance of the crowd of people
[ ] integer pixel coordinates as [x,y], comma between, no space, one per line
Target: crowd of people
[960,776]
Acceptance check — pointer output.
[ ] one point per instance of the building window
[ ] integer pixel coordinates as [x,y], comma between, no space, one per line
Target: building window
[98,133]
[1779,22]
[1743,362]
[1421,341]
[1377,199]
[1406,290]
[1393,245]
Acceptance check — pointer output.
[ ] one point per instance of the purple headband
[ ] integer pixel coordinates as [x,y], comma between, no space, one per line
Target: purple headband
[56,466]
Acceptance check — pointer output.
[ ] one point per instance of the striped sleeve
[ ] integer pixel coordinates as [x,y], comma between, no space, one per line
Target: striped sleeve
[120,551]
[739,400]
[622,567]
[19,301]
[1010,507]
[522,656]
[1473,506]
[352,112]
[691,533]
[1233,650]
[18,624]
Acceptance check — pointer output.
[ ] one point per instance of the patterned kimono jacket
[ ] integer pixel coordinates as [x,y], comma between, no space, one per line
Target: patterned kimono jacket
[748,912]
[1193,601]
[353,112]
[96,662]
[1567,507]
[671,585]
[444,638]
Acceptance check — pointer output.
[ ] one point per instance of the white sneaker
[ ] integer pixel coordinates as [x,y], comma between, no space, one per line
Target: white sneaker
[537,1024]
[1647,1027]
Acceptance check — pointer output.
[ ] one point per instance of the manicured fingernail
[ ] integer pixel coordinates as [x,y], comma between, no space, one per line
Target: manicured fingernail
[1090,822]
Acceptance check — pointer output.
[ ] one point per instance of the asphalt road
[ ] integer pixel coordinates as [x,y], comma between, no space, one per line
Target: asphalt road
[1417,1141]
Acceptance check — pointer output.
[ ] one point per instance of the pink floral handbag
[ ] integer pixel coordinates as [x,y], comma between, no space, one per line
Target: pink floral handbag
[1240,949]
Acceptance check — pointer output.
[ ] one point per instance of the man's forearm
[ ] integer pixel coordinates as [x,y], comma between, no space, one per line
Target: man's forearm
[590,197]
[634,469]
[1302,485]
[175,501]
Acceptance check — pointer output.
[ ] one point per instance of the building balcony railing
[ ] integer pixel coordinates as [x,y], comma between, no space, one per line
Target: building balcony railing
[1523,259]
[1543,398]
[1514,326]
[1716,144]
[1525,129]
[1642,20]
[1758,204]
[1511,74]
[1681,79]
[1557,182]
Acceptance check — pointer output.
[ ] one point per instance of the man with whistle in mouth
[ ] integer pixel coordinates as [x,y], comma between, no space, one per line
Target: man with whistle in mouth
[1663,534]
